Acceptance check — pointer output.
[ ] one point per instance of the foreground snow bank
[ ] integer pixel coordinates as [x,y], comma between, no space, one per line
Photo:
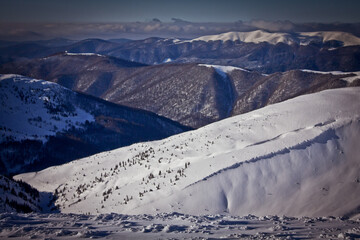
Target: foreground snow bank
[173,226]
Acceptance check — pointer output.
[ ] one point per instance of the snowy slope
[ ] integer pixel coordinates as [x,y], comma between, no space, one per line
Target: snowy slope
[298,157]
[35,109]
[303,38]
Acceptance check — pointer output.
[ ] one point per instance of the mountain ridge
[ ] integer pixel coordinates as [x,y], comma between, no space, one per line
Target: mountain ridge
[266,52]
[190,93]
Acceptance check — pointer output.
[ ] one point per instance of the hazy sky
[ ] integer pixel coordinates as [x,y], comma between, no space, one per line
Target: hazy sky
[191,10]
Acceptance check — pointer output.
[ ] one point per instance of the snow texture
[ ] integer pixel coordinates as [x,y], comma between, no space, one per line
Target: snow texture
[173,226]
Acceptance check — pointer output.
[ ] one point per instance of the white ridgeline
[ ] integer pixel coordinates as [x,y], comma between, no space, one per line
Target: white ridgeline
[257,36]
[299,157]
[302,38]
[83,54]
[353,75]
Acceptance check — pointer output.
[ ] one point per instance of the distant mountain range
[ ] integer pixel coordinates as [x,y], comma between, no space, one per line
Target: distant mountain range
[189,93]
[258,50]
[44,124]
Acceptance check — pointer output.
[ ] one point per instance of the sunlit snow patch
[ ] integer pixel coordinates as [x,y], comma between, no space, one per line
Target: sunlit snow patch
[223,70]
[167,60]
[83,54]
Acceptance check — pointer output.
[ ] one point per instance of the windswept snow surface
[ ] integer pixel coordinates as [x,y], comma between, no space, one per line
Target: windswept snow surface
[173,226]
[35,109]
[303,38]
[298,158]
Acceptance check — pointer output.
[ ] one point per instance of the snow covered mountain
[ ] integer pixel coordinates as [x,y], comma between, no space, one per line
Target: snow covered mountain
[345,39]
[267,52]
[43,123]
[302,38]
[192,94]
[299,157]
[250,37]
[258,50]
